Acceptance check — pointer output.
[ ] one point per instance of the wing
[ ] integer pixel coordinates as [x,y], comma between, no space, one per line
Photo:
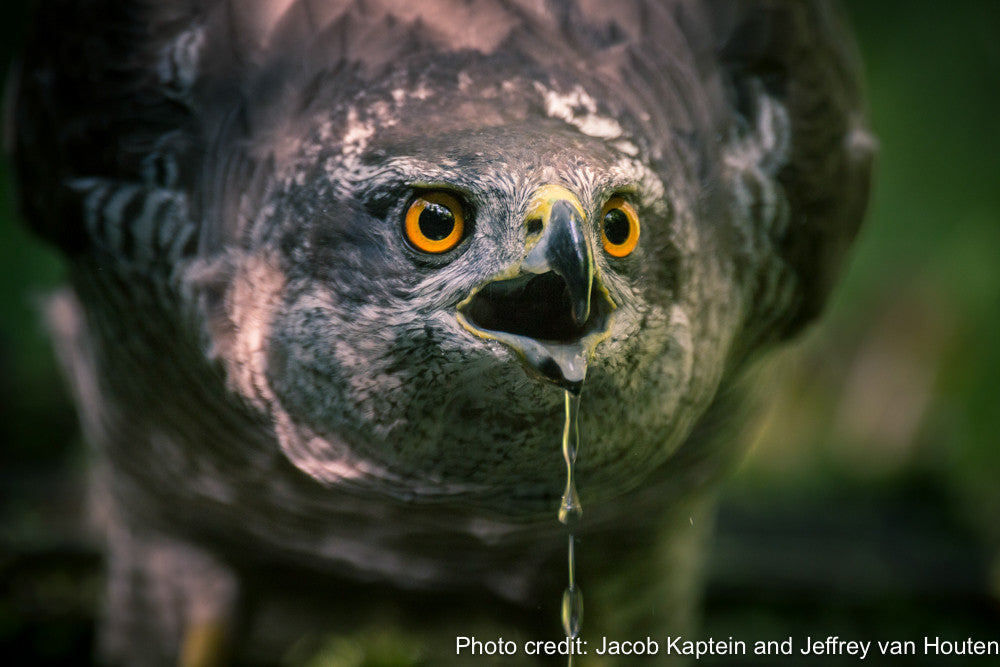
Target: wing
[132,124]
[104,133]
[797,60]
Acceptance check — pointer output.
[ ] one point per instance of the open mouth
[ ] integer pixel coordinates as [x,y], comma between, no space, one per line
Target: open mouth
[533,314]
[535,306]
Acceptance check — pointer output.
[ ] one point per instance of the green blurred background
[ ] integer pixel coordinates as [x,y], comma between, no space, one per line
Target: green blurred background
[869,504]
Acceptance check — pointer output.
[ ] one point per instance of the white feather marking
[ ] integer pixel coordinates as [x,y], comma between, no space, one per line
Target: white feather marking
[754,159]
[180,240]
[173,220]
[422,92]
[860,141]
[357,133]
[179,60]
[65,319]
[254,295]
[768,147]
[264,15]
[626,147]
[145,228]
[580,110]
[152,165]
[115,206]
[95,189]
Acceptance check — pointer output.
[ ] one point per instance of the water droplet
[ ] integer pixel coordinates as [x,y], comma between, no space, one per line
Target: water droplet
[572,611]
[570,509]
[570,513]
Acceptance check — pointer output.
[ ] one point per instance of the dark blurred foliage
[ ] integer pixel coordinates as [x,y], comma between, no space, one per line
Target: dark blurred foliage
[869,504]
[49,565]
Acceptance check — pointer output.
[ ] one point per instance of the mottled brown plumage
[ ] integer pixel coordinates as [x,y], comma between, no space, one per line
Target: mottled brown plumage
[277,381]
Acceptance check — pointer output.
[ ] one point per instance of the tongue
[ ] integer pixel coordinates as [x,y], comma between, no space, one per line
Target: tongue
[562,363]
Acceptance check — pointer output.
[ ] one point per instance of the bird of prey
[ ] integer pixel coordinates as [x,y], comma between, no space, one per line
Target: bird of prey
[335,264]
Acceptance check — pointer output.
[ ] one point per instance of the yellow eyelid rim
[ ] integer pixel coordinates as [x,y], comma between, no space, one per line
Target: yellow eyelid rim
[626,248]
[412,223]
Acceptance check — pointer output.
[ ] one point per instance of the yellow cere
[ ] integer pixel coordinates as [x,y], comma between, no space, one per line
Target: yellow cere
[543,199]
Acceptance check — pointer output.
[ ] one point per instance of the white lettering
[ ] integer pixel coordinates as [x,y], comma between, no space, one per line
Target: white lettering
[969,646]
[567,646]
[492,647]
[896,647]
[836,646]
[645,646]
[703,647]
[773,647]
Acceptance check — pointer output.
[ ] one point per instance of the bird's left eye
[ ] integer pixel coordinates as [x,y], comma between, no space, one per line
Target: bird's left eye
[619,227]
[434,222]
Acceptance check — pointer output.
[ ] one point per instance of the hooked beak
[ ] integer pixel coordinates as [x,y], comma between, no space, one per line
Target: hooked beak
[564,250]
[554,310]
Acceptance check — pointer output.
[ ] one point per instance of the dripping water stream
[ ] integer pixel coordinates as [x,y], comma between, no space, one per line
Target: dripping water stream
[570,512]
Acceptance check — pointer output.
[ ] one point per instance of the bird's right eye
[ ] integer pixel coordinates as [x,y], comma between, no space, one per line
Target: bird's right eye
[434,222]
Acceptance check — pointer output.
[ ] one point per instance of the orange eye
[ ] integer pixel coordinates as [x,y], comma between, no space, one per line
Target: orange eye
[434,222]
[619,227]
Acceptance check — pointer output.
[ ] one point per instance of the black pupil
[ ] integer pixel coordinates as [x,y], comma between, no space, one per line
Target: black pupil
[436,221]
[616,226]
